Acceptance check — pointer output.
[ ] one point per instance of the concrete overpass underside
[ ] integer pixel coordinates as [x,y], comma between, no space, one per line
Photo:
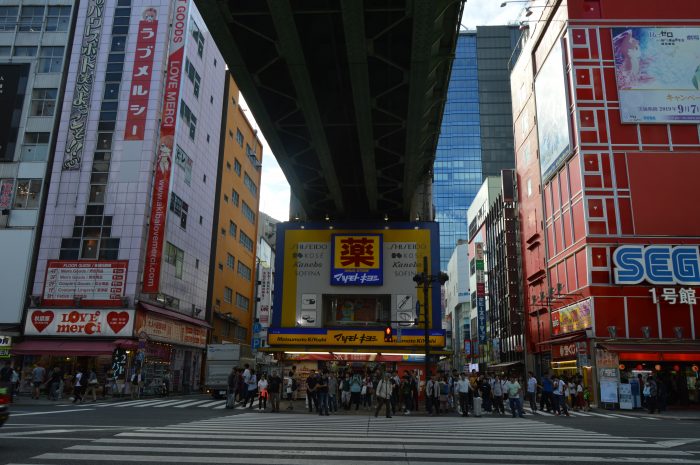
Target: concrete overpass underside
[348,93]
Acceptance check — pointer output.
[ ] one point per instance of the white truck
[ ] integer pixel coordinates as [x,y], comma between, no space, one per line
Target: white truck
[220,359]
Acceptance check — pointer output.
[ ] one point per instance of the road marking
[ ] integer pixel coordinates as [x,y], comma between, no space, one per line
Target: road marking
[617,415]
[51,412]
[170,404]
[216,402]
[676,442]
[191,404]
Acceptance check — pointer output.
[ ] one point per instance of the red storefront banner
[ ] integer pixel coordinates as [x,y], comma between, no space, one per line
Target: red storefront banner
[137,111]
[164,159]
[6,188]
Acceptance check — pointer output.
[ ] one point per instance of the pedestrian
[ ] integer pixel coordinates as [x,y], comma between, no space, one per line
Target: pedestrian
[275,389]
[444,393]
[38,378]
[311,397]
[55,380]
[532,391]
[407,394]
[383,392]
[580,403]
[262,392]
[485,393]
[431,393]
[232,386]
[333,393]
[395,383]
[166,384]
[6,375]
[322,394]
[355,390]
[462,388]
[650,392]
[497,393]
[251,389]
[345,392]
[558,397]
[367,392]
[572,392]
[290,389]
[415,388]
[91,386]
[547,398]
[514,391]
[78,385]
[136,383]
[245,377]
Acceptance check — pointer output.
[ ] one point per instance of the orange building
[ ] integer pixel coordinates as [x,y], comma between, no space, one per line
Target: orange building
[232,287]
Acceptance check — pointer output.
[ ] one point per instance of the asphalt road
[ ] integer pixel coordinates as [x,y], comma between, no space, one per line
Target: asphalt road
[197,430]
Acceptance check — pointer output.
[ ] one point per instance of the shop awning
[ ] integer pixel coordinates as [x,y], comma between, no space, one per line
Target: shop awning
[652,348]
[573,337]
[175,315]
[59,347]
[505,364]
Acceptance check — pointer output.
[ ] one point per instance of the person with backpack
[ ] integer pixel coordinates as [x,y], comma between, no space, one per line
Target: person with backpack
[383,391]
[650,393]
[275,389]
[547,398]
[78,384]
[444,392]
[232,383]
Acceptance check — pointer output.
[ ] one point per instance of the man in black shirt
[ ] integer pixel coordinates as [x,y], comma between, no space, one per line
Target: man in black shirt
[322,394]
[311,383]
[274,387]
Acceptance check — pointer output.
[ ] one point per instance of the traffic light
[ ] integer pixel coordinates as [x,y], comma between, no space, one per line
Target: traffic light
[388,334]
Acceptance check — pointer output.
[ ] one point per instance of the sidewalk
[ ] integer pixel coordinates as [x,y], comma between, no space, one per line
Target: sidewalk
[669,414]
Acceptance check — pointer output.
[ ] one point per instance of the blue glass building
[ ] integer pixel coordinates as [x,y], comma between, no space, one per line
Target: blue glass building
[476,137]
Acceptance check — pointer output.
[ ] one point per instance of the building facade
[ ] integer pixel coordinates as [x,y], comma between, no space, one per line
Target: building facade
[234,266]
[457,303]
[34,45]
[607,150]
[476,138]
[122,267]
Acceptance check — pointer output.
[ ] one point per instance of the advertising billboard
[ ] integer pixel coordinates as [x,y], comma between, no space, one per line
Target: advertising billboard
[553,130]
[658,74]
[79,322]
[572,318]
[165,146]
[480,292]
[95,282]
[312,307]
[13,82]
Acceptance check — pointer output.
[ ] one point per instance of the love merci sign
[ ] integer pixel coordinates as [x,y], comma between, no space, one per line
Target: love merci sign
[84,323]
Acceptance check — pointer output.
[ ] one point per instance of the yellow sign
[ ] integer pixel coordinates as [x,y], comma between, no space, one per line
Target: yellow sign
[353,338]
[356,251]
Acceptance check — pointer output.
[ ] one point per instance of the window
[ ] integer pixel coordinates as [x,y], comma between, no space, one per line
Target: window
[35,146]
[244,271]
[250,184]
[232,229]
[175,257]
[228,166]
[472,266]
[5,50]
[246,241]
[193,76]
[198,37]
[58,19]
[228,295]
[188,118]
[242,302]
[31,18]
[180,208]
[225,198]
[230,260]
[237,167]
[27,193]
[248,213]
[241,333]
[239,137]
[234,197]
[24,51]
[43,102]
[50,59]
[8,18]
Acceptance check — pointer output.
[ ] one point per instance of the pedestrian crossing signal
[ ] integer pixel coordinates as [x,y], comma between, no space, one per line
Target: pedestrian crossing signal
[388,334]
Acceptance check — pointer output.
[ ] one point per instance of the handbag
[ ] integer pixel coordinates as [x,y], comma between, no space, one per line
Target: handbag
[647,391]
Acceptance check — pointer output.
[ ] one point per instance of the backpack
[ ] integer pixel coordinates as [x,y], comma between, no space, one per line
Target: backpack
[444,389]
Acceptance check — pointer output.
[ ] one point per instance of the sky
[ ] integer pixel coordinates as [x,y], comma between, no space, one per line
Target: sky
[274,189]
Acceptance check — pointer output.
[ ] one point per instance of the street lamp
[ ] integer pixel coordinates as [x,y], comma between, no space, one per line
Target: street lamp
[425,280]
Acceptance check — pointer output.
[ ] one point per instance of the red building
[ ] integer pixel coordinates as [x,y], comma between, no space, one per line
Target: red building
[606,122]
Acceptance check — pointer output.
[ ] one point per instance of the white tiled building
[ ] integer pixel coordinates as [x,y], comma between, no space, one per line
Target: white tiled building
[101,201]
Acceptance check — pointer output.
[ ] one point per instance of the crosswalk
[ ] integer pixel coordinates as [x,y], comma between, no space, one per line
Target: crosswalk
[297,439]
[588,414]
[163,403]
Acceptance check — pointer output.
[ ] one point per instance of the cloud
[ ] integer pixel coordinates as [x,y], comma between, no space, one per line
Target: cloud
[489,12]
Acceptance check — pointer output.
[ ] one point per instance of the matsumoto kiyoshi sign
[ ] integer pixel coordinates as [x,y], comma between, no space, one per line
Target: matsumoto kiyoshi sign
[357,260]
[657,264]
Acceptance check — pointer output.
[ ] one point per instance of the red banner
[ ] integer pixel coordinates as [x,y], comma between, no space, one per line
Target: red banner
[164,159]
[137,110]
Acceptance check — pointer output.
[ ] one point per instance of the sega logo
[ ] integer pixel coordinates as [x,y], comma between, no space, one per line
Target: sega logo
[657,264]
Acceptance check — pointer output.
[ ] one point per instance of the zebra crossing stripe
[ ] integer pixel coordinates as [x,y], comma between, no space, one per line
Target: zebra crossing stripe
[191,404]
[216,402]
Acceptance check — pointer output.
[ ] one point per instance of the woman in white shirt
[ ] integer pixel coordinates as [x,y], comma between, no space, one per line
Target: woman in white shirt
[262,393]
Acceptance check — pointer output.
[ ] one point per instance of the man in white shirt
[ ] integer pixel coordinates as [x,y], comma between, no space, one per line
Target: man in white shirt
[532,391]
[462,388]
[383,393]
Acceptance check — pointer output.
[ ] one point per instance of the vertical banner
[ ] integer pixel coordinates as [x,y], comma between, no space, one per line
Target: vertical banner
[6,188]
[164,158]
[141,76]
[84,81]
[480,291]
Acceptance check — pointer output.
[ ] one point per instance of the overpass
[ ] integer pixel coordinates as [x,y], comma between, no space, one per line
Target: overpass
[348,93]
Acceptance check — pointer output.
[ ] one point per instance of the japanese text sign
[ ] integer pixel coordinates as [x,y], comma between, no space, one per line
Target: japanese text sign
[79,322]
[137,111]
[357,260]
